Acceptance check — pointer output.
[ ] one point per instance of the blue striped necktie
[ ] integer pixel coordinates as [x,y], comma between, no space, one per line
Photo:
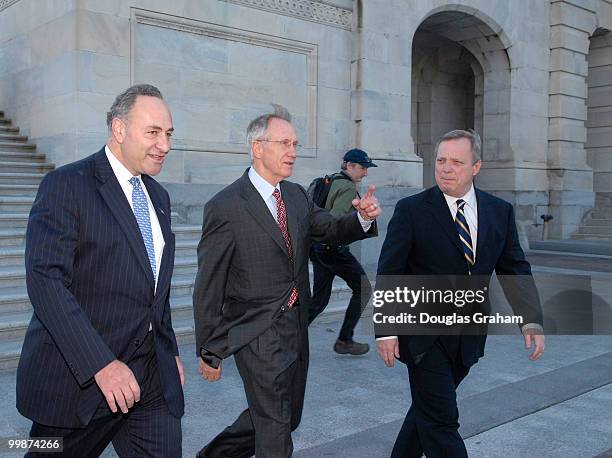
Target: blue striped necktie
[141,211]
[464,233]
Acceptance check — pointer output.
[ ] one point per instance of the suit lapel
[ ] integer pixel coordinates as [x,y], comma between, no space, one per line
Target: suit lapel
[439,210]
[164,223]
[484,221]
[260,212]
[110,190]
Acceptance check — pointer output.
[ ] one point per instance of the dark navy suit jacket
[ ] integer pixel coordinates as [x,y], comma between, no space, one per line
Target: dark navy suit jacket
[422,240]
[93,294]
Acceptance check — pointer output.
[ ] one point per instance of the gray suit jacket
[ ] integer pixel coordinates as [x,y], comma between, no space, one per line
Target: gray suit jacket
[245,274]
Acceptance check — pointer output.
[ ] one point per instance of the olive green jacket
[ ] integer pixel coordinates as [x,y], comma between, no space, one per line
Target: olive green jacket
[340,197]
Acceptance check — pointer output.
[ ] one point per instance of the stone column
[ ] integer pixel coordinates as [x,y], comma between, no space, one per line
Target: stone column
[381,99]
[571,179]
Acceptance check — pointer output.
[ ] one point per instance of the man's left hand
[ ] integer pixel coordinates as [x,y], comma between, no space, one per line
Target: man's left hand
[368,206]
[535,339]
[181,370]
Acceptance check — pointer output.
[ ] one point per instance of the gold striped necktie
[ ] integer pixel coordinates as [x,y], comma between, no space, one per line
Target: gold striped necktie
[464,233]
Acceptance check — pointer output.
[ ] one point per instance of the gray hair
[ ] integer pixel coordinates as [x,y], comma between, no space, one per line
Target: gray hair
[470,134]
[259,126]
[125,101]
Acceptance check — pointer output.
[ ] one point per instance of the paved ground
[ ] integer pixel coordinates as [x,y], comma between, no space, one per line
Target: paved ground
[560,406]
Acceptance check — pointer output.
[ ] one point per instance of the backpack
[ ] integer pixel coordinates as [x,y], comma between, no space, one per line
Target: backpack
[319,188]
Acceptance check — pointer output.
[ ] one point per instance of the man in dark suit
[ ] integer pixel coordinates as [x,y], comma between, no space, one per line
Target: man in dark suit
[100,360]
[450,229]
[252,290]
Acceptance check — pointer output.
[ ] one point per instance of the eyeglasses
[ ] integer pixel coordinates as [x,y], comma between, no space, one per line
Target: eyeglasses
[286,143]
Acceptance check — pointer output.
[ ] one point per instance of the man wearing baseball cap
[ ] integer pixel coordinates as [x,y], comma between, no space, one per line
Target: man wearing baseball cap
[329,261]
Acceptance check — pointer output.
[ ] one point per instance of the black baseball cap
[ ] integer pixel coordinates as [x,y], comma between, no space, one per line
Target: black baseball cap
[358,156]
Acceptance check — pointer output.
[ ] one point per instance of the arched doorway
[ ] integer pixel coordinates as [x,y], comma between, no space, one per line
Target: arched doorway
[460,80]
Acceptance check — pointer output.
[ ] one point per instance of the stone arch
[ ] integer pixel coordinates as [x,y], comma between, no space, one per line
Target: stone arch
[476,48]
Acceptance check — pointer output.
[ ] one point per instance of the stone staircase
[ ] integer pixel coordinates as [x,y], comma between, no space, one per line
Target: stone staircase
[21,170]
[597,224]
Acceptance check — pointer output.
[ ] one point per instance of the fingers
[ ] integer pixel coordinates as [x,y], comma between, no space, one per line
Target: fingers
[387,351]
[181,370]
[208,373]
[539,348]
[133,384]
[118,385]
[370,192]
[110,400]
[123,404]
[536,341]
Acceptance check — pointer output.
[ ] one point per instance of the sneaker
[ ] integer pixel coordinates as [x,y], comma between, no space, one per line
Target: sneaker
[351,347]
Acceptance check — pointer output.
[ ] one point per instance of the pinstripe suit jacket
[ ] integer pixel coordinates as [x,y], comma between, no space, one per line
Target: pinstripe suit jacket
[245,274]
[92,290]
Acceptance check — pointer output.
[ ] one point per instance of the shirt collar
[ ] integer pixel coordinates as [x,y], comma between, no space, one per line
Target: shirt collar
[121,172]
[469,198]
[263,187]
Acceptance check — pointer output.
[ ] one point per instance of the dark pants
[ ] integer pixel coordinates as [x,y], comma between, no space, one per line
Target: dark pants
[432,422]
[148,429]
[327,262]
[273,369]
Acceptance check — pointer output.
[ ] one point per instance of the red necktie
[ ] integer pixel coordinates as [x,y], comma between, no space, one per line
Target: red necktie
[281,213]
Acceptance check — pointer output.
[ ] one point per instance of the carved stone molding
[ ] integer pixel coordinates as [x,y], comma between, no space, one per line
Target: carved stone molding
[309,50]
[310,10]
[4,4]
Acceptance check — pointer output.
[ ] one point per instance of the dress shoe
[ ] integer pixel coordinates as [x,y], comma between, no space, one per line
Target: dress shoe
[350,347]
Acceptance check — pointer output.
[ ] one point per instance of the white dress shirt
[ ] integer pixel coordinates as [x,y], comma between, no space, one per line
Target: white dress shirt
[265,189]
[123,176]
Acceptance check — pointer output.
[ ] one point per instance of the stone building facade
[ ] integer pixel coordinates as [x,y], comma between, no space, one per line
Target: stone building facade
[534,77]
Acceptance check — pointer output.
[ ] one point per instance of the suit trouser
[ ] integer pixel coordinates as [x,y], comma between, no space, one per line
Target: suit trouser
[432,422]
[148,429]
[273,369]
[327,262]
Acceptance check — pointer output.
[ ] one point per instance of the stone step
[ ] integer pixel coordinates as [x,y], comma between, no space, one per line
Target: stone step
[9,354]
[596,230]
[187,232]
[186,248]
[12,237]
[13,137]
[601,214]
[598,222]
[185,265]
[16,146]
[26,167]
[5,121]
[603,238]
[11,129]
[12,256]
[16,204]
[21,156]
[12,277]
[13,325]
[182,285]
[20,178]
[13,220]
[14,300]
[18,189]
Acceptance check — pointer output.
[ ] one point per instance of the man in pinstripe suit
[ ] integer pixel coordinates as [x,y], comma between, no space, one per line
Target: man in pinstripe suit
[252,291]
[100,359]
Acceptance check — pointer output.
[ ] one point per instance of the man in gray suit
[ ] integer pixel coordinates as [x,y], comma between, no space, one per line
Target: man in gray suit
[252,291]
